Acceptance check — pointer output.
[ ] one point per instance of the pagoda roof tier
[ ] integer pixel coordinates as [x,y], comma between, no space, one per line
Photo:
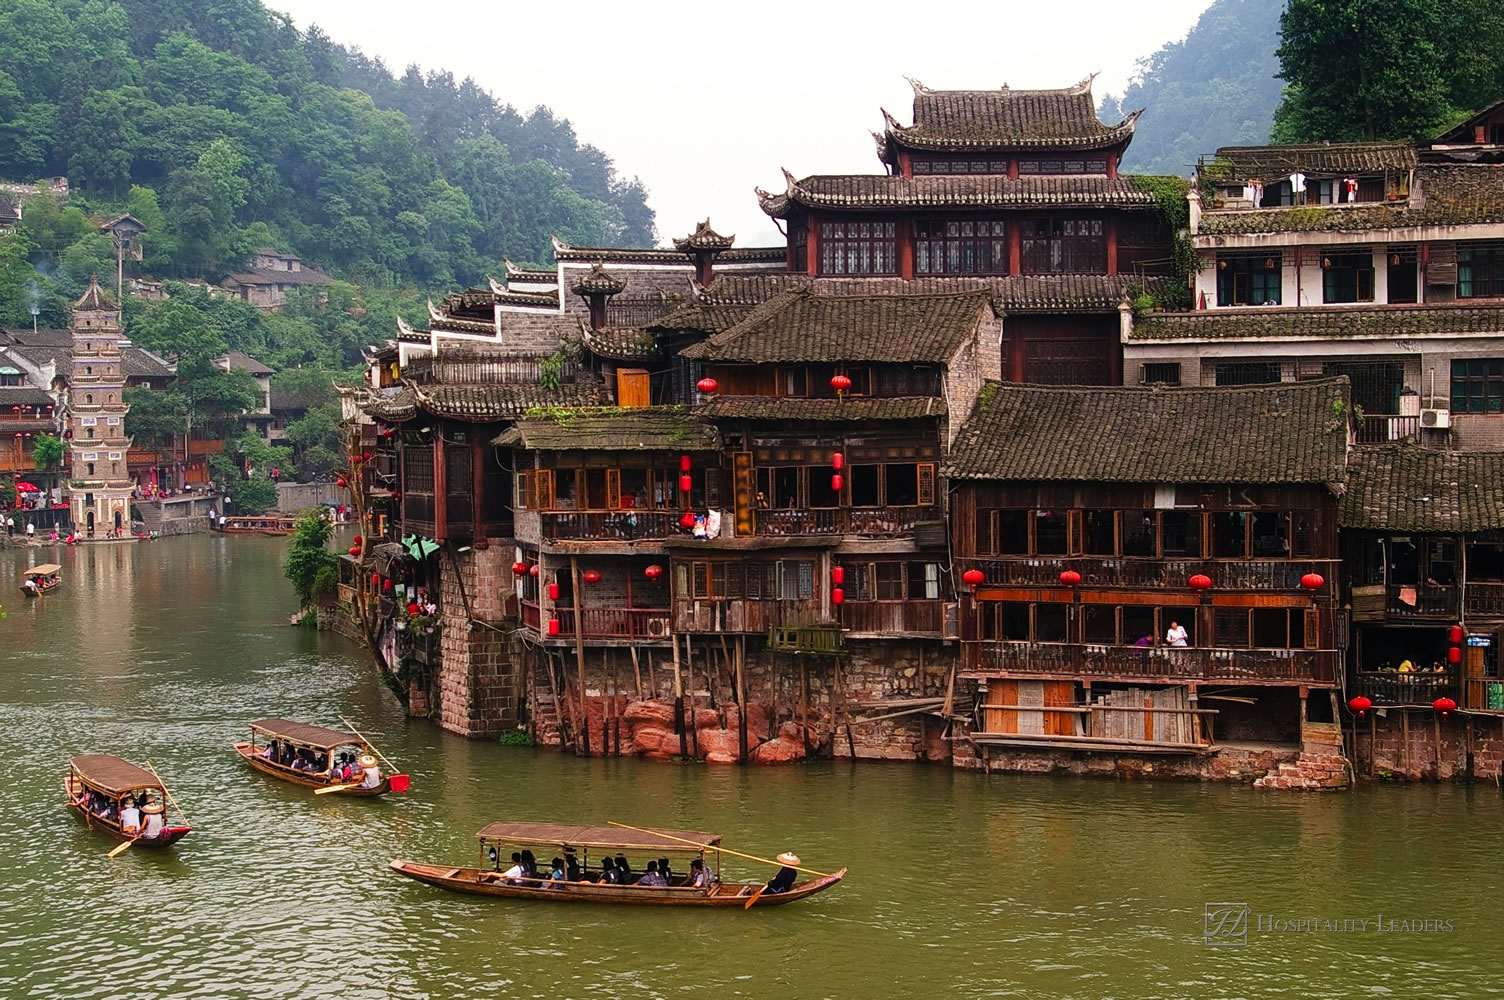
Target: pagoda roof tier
[973,191]
[599,281]
[619,343]
[703,238]
[94,298]
[1004,119]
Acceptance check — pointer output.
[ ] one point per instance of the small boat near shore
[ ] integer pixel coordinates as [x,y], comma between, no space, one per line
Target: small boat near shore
[44,579]
[579,841]
[101,786]
[264,524]
[287,742]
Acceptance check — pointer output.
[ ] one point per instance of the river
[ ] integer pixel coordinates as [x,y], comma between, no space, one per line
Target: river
[961,884]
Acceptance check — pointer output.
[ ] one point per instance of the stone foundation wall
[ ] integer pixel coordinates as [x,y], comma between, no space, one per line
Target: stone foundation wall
[1231,763]
[1382,750]
[479,688]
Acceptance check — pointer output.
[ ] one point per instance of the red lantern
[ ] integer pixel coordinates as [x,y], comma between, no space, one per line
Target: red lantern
[519,569]
[1454,655]
[686,483]
[375,580]
[1200,582]
[1312,582]
[838,575]
[357,541]
[837,596]
[412,608]
[532,570]
[355,551]
[591,576]
[1359,705]
[365,456]
[553,591]
[707,385]
[1070,578]
[653,572]
[973,577]
[1444,706]
[837,481]
[340,482]
[683,463]
[1454,635]
[838,461]
[553,626]
[840,383]
[387,586]
[687,521]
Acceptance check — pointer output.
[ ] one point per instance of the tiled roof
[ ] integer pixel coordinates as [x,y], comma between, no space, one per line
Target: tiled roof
[481,403]
[965,190]
[598,281]
[23,395]
[1406,488]
[727,300]
[1316,323]
[703,238]
[1442,195]
[1273,163]
[659,428]
[244,362]
[619,344]
[648,255]
[95,297]
[1286,433]
[271,276]
[1016,293]
[852,409]
[802,326]
[137,362]
[10,209]
[1007,119]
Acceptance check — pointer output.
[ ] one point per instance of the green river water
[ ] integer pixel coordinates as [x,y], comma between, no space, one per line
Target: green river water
[961,884]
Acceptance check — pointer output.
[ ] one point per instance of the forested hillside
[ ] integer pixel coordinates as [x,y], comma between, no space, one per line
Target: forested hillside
[247,132]
[1216,87]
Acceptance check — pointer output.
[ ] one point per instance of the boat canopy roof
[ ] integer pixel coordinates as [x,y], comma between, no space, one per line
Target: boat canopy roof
[299,732]
[111,774]
[599,837]
[46,569]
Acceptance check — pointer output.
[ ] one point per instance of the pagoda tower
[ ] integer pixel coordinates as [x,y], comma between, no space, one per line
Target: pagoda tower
[99,483]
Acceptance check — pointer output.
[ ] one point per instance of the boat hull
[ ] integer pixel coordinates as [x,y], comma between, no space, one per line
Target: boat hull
[170,834]
[303,778]
[479,882]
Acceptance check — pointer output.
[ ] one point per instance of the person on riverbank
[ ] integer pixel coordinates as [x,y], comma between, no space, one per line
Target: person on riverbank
[10,525]
[786,877]
[31,531]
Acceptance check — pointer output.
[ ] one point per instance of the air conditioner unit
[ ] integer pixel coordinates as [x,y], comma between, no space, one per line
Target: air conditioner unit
[1436,419]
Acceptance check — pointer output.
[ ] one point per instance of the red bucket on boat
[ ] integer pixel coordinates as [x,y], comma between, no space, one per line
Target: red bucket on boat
[400,783]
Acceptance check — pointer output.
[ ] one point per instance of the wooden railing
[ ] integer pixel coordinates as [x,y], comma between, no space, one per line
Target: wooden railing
[477,368]
[613,525]
[1420,688]
[893,616]
[602,623]
[1422,600]
[876,522]
[1485,694]
[1126,571]
[749,616]
[532,617]
[1484,598]
[1151,663]
[1377,428]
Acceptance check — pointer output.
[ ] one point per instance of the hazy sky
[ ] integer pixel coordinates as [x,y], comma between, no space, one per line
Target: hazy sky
[705,100]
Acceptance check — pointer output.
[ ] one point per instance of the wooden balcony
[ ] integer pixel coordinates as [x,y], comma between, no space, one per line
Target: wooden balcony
[895,617]
[637,624]
[1417,689]
[746,616]
[1422,600]
[1150,663]
[1484,598]
[869,522]
[611,525]
[1154,574]
[1483,694]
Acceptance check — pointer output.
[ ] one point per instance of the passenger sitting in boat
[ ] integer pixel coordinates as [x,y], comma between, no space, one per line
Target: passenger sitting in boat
[624,871]
[130,816]
[652,878]
[572,865]
[321,763]
[556,874]
[152,813]
[663,870]
[529,864]
[786,877]
[700,877]
[515,872]
[608,872]
[269,752]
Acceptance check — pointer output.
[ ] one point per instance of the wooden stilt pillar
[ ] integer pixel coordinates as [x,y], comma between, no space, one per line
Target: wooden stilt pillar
[637,672]
[679,699]
[741,698]
[579,656]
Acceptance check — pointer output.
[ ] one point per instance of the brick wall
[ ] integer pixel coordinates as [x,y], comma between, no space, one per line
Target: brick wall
[1383,750]
[480,685]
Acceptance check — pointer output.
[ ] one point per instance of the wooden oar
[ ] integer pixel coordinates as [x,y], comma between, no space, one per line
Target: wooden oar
[723,850]
[331,789]
[368,743]
[125,846]
[165,792]
[755,895]
[396,781]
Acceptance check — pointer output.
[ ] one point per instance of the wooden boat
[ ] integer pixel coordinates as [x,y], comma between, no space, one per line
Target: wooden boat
[317,740]
[498,839]
[263,524]
[45,577]
[97,779]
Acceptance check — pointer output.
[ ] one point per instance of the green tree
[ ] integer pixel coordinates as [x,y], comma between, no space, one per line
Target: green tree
[47,455]
[158,418]
[311,568]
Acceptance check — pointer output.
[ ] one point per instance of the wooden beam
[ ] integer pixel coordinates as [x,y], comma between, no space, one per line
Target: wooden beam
[579,655]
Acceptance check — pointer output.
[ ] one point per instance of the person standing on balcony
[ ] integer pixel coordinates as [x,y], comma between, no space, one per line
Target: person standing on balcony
[1176,635]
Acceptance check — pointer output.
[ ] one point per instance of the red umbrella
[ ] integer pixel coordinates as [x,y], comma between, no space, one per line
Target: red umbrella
[24,487]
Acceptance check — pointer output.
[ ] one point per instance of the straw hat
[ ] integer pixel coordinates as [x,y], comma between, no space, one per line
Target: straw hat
[366,760]
[788,858]
[152,808]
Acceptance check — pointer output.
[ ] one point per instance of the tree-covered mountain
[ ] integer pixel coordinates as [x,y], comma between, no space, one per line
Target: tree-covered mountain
[1216,87]
[242,130]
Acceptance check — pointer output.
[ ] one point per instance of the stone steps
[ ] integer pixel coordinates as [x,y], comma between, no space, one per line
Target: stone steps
[1313,772]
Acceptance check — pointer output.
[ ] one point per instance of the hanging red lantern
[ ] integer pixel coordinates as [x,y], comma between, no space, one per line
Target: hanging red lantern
[687,521]
[1454,635]
[553,591]
[357,541]
[532,570]
[519,569]
[1454,655]
[1200,582]
[375,580]
[838,575]
[412,608]
[838,461]
[837,596]
[707,385]
[837,481]
[387,586]
[1312,582]
[355,551]
[365,456]
[1444,706]
[1070,578]
[683,463]
[591,576]
[1359,705]
[972,577]
[553,626]
[840,383]
[653,572]
[340,482]
[686,483]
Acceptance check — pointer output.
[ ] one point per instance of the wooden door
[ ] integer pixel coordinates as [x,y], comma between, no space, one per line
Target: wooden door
[633,387]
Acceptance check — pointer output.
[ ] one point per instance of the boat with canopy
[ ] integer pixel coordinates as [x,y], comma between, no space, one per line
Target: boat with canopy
[581,844]
[263,524]
[294,751]
[39,580]
[101,787]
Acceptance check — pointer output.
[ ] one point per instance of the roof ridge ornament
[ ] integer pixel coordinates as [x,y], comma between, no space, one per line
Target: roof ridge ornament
[920,90]
[1084,87]
[497,288]
[704,238]
[599,281]
[890,121]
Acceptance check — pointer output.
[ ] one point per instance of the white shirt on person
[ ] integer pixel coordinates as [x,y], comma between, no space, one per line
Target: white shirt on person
[1176,636]
[130,818]
[372,778]
[154,826]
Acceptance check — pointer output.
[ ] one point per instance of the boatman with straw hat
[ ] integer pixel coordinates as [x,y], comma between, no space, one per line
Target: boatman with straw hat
[786,877]
[151,814]
[371,774]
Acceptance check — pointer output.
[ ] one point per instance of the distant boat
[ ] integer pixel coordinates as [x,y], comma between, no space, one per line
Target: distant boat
[44,579]
[96,785]
[264,524]
[499,838]
[315,740]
